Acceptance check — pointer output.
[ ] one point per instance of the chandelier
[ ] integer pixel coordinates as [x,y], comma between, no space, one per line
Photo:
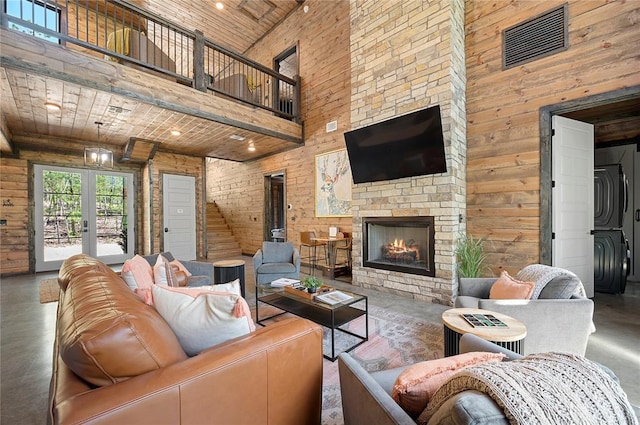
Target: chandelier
[98,157]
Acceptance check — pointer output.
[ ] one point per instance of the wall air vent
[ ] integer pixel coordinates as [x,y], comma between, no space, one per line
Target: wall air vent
[535,38]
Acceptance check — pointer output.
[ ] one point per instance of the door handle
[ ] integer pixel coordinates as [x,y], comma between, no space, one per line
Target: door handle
[166,229]
[85,224]
[638,215]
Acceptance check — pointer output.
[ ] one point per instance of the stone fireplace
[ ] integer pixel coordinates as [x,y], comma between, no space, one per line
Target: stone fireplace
[415,60]
[402,244]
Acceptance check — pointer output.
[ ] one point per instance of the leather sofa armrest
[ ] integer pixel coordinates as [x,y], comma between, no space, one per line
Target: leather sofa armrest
[278,368]
[475,287]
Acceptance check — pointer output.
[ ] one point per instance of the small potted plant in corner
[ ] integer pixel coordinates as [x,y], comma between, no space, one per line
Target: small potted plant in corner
[311,283]
[470,256]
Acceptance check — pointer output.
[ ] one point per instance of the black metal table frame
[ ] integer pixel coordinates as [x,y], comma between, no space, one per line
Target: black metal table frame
[338,316]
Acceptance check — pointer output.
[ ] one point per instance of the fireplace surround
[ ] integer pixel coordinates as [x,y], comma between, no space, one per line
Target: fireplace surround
[402,244]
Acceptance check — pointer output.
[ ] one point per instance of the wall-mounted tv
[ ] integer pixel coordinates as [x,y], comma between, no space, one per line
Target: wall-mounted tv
[406,146]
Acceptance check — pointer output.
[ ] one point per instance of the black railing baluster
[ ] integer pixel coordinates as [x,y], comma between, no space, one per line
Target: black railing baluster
[211,64]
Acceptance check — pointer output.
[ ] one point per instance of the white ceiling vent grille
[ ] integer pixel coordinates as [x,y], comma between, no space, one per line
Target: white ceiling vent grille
[535,38]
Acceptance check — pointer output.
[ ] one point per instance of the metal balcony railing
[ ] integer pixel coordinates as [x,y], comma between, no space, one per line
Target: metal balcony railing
[122,32]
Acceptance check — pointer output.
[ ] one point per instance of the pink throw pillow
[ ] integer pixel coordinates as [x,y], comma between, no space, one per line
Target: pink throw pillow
[507,288]
[138,275]
[181,267]
[415,386]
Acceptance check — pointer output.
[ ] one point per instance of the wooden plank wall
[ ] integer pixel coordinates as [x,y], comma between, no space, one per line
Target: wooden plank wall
[14,208]
[322,36]
[503,135]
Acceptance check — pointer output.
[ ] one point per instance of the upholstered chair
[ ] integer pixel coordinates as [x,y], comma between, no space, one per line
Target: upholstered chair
[276,260]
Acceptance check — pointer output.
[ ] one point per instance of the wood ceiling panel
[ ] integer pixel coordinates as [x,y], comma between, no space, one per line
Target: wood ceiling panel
[235,27]
[123,118]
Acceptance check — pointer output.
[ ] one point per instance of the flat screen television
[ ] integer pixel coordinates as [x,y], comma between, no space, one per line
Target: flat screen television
[406,146]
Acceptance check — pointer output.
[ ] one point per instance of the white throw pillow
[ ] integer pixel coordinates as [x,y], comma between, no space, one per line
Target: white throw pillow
[202,318]
[232,287]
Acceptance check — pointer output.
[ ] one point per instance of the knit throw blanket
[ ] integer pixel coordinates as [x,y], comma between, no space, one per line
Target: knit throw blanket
[545,389]
[542,274]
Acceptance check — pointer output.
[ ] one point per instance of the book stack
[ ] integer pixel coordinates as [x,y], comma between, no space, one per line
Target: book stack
[283,281]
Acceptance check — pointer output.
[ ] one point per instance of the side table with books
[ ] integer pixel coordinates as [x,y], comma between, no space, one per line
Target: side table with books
[329,308]
[491,326]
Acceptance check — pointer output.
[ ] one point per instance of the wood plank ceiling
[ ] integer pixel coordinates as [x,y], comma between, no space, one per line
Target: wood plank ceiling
[237,27]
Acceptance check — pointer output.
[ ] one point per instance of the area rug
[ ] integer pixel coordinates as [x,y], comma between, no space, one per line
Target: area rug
[49,290]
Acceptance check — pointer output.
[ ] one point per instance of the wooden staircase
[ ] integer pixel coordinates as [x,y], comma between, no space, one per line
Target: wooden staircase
[220,240]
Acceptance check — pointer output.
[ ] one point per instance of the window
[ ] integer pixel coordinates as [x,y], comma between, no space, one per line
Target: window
[41,14]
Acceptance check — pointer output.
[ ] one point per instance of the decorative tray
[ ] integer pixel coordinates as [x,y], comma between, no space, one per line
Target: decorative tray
[302,292]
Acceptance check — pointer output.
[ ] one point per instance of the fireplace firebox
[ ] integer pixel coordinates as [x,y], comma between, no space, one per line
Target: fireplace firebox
[402,244]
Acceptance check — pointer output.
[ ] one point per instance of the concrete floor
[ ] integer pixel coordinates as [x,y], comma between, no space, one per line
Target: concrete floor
[27,328]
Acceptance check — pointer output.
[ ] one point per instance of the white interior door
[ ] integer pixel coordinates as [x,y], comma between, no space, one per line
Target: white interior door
[179,211]
[82,211]
[572,198]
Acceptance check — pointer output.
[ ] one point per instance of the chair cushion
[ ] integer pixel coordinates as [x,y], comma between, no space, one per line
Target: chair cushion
[198,280]
[277,252]
[276,268]
[470,407]
[464,301]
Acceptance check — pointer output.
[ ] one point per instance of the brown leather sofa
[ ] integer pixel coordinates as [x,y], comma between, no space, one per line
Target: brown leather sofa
[116,361]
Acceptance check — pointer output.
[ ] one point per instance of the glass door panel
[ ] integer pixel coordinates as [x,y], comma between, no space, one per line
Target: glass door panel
[61,218]
[82,211]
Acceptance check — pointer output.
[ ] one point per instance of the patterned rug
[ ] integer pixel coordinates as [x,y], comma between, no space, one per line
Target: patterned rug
[395,340]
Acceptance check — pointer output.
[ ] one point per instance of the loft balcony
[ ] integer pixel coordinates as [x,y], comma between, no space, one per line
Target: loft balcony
[132,62]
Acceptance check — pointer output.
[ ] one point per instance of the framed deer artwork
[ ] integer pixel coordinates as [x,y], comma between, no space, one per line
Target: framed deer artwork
[333,184]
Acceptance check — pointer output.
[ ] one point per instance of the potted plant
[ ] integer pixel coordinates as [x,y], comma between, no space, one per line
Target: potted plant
[311,283]
[470,256]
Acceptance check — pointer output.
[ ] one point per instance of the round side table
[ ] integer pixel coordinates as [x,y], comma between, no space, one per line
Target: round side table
[228,270]
[510,337]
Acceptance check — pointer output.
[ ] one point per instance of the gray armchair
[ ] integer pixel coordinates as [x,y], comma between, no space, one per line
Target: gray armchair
[276,260]
[558,320]
[366,396]
[201,272]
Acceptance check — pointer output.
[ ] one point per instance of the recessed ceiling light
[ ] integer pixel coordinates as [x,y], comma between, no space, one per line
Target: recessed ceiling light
[219,6]
[175,133]
[252,147]
[52,106]
[237,137]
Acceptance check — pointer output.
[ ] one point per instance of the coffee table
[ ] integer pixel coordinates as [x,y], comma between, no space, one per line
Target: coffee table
[510,336]
[329,316]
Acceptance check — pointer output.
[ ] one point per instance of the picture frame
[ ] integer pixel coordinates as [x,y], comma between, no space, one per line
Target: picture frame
[333,184]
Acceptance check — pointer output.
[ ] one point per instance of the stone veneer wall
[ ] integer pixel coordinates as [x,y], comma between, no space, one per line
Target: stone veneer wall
[407,56]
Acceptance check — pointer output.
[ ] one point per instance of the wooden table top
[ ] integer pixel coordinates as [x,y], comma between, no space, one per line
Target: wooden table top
[228,263]
[515,330]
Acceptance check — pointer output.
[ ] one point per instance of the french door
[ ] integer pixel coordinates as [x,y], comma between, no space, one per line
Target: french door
[82,211]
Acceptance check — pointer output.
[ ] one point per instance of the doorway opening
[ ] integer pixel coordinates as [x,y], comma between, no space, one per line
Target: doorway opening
[286,63]
[616,119]
[274,207]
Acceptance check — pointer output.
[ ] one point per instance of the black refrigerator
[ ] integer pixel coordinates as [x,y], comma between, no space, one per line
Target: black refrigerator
[612,258]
